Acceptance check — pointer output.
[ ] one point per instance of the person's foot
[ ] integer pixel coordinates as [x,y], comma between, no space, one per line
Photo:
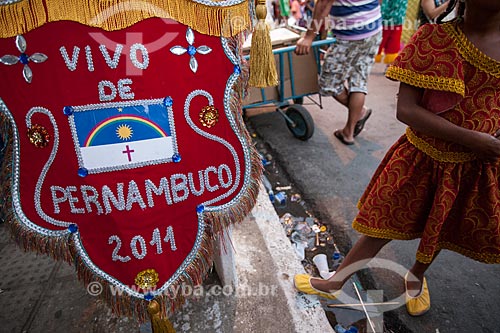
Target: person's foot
[413,288]
[322,285]
[418,301]
[339,134]
[314,286]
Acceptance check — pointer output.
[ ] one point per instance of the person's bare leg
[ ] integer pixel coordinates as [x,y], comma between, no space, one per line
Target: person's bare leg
[418,270]
[365,249]
[343,98]
[355,103]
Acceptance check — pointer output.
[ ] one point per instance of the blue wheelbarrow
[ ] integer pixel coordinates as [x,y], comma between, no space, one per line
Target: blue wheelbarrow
[298,79]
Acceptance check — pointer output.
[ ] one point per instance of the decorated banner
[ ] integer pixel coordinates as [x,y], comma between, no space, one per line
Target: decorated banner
[126,150]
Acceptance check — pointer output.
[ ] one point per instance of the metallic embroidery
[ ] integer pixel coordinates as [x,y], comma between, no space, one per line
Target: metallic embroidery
[70,63]
[191,50]
[38,136]
[146,279]
[209,116]
[23,58]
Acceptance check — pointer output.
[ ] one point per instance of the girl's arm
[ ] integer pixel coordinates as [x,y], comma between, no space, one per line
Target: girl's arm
[430,9]
[484,145]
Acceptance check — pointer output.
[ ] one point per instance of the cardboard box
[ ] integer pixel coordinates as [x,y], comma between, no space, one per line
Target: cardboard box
[304,71]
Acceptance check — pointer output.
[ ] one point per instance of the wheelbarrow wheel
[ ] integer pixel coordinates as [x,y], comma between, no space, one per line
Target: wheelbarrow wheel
[303,124]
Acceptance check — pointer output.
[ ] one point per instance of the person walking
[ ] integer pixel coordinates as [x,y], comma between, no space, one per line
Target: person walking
[439,182]
[357,26]
[393,15]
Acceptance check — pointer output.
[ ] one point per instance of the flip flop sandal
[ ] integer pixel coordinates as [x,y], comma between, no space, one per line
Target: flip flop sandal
[361,123]
[338,134]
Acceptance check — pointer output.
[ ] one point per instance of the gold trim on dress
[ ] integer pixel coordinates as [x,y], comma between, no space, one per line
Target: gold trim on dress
[470,52]
[487,258]
[436,154]
[383,233]
[426,81]
[23,16]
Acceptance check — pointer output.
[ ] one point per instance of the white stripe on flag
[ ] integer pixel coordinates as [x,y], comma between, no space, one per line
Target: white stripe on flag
[117,154]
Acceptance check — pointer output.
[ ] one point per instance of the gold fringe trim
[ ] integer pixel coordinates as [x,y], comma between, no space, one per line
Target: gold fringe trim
[486,258]
[470,52]
[216,223]
[26,15]
[426,81]
[382,233]
[438,155]
[21,17]
[359,204]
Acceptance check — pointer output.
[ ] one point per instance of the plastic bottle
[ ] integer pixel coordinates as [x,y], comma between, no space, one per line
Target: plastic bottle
[339,329]
[269,187]
[280,198]
[336,259]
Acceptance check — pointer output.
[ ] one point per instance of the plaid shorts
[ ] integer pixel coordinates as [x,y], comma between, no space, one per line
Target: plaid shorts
[351,61]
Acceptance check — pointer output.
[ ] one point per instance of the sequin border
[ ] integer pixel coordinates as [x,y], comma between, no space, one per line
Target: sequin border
[226,3]
[46,167]
[16,201]
[215,138]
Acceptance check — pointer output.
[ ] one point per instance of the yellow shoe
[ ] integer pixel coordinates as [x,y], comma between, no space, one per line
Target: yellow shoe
[389,58]
[302,282]
[418,305]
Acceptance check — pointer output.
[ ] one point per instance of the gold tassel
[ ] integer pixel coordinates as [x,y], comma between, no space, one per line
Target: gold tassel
[262,63]
[159,325]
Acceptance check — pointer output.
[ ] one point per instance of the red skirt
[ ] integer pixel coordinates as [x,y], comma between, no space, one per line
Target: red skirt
[449,205]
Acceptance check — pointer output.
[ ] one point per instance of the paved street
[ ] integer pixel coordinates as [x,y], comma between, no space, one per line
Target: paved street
[331,177]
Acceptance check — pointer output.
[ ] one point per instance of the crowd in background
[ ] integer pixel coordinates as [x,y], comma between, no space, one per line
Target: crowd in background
[401,18]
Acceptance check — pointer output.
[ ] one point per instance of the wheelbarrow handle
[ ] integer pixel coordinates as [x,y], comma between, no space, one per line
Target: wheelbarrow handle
[314,44]
[286,49]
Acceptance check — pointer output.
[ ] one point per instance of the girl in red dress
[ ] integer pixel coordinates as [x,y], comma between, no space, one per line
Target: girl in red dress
[439,182]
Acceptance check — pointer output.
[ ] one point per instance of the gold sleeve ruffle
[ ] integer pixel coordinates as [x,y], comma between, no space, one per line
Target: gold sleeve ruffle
[430,61]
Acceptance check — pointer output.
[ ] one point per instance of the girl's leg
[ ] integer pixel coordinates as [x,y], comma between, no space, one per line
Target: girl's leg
[418,270]
[362,252]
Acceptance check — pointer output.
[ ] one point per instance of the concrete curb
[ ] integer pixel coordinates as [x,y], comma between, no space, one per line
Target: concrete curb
[306,312]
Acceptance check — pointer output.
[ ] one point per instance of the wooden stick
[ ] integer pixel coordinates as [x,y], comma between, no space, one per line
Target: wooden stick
[359,304]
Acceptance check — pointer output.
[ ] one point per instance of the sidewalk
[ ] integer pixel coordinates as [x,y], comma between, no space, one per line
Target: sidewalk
[38,294]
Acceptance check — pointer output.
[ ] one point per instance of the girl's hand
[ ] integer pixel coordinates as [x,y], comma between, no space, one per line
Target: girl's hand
[487,147]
